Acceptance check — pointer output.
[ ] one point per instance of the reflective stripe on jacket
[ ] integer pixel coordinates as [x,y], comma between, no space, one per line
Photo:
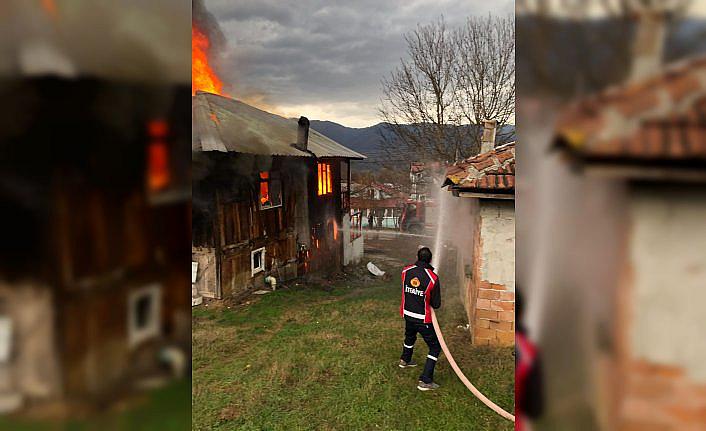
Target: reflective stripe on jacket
[421,290]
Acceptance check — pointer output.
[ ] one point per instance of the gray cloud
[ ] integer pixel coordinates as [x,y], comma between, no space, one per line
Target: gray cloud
[324,54]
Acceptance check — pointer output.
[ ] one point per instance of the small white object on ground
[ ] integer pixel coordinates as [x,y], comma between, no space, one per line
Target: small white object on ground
[375,270]
[261,292]
[176,360]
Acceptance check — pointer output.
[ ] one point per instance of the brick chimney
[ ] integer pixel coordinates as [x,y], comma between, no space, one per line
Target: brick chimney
[487,141]
[648,45]
[303,134]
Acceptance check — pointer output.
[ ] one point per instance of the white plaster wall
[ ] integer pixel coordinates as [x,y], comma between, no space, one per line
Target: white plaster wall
[32,368]
[352,251]
[668,257]
[497,232]
[206,277]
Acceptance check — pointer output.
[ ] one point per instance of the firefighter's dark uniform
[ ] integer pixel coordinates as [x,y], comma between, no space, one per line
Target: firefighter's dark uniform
[421,290]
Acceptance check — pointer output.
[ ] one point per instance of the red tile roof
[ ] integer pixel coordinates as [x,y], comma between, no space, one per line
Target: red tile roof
[659,120]
[489,172]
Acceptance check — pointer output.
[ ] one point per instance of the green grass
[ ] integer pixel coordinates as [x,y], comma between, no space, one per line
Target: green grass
[326,359]
[165,409]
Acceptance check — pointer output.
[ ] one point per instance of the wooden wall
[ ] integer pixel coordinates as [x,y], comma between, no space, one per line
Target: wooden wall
[242,226]
[323,212]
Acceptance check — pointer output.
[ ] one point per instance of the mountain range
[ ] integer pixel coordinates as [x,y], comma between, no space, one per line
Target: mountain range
[365,140]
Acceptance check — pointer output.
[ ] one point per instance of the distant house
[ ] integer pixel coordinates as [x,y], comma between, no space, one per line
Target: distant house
[647,139]
[271,199]
[378,205]
[489,274]
[422,177]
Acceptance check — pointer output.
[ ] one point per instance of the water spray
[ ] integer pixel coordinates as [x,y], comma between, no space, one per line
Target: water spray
[438,248]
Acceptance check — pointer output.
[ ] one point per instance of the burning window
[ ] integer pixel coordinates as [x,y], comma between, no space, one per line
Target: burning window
[158,175]
[324,176]
[270,190]
[257,260]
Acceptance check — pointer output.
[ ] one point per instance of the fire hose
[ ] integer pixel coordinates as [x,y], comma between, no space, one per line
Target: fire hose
[497,409]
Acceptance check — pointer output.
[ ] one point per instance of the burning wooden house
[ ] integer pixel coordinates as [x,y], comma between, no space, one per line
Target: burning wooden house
[489,179]
[271,199]
[96,204]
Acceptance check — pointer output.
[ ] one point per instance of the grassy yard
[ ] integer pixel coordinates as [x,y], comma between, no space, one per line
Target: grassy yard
[164,409]
[313,358]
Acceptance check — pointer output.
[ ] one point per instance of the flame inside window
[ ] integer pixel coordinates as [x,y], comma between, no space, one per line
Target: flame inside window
[158,175]
[270,189]
[264,188]
[324,177]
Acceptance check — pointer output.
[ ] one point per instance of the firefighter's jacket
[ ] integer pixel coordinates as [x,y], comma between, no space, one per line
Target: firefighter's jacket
[421,290]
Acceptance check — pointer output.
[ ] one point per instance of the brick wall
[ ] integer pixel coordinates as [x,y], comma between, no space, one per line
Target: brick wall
[491,296]
[494,315]
[662,397]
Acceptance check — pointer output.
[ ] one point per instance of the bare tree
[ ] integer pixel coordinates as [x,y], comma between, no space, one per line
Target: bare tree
[486,71]
[572,47]
[433,102]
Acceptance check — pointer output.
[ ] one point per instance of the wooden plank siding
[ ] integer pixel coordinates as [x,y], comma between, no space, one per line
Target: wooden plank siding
[242,227]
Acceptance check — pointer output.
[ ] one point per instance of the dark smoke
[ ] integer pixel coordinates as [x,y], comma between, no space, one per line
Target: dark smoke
[207,23]
[129,40]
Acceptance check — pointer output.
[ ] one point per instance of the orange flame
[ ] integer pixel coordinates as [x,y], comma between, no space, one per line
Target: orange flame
[50,8]
[202,75]
[264,188]
[158,175]
[335,230]
[324,178]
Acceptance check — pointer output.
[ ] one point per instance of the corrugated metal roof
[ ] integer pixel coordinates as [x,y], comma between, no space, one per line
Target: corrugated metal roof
[228,125]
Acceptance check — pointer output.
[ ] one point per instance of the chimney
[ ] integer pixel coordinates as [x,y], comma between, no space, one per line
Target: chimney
[303,134]
[648,45]
[487,142]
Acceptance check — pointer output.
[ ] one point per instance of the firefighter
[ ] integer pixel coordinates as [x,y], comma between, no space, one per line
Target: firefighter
[529,391]
[420,290]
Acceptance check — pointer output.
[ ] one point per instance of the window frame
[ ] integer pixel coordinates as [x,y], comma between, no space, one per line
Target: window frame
[269,180]
[137,334]
[327,189]
[261,268]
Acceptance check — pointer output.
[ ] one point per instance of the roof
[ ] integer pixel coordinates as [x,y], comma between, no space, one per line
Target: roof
[362,203]
[228,125]
[490,172]
[661,119]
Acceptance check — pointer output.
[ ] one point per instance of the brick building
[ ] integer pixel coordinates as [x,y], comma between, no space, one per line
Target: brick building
[648,139]
[489,266]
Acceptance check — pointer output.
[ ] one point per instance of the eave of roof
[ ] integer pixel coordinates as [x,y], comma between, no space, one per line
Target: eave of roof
[228,125]
[660,120]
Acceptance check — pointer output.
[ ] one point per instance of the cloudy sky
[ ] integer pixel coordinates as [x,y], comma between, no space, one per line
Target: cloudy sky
[324,58]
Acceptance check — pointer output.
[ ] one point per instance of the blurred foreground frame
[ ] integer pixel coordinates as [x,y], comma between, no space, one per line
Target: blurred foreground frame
[611,208]
[95,189]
